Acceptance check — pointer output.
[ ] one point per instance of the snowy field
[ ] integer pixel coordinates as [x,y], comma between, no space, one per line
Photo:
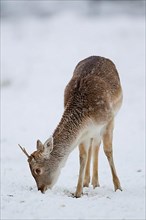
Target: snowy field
[38,58]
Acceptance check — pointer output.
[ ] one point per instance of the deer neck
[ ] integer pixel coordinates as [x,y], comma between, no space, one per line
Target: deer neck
[66,135]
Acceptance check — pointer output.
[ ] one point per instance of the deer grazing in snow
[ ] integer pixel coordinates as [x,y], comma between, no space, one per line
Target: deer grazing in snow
[92,99]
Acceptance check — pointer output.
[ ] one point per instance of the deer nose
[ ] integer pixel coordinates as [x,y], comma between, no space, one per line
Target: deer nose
[42,189]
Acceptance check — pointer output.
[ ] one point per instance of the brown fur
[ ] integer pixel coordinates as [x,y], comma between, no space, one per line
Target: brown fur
[91,100]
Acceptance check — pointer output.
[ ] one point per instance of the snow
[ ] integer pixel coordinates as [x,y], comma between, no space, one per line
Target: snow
[38,58]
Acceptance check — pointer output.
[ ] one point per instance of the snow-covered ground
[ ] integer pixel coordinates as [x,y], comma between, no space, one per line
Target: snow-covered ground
[38,58]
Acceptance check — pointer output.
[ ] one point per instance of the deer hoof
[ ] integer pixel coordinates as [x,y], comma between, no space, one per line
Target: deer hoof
[118,187]
[95,184]
[78,194]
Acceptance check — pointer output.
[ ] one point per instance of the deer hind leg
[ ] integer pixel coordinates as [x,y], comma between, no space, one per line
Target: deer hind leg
[107,144]
[87,171]
[83,160]
[95,151]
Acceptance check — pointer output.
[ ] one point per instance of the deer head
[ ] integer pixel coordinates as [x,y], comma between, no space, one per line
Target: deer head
[39,163]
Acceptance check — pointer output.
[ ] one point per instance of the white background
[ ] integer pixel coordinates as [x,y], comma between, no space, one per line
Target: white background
[38,59]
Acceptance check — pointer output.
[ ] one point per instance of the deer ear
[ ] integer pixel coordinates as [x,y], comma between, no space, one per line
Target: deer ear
[49,145]
[40,146]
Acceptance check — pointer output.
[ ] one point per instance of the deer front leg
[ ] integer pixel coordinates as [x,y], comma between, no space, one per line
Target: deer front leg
[96,145]
[83,160]
[87,172]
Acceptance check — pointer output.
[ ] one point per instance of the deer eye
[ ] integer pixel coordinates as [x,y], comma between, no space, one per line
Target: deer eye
[37,171]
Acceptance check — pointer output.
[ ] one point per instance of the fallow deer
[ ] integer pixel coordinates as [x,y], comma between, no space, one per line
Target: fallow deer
[92,98]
